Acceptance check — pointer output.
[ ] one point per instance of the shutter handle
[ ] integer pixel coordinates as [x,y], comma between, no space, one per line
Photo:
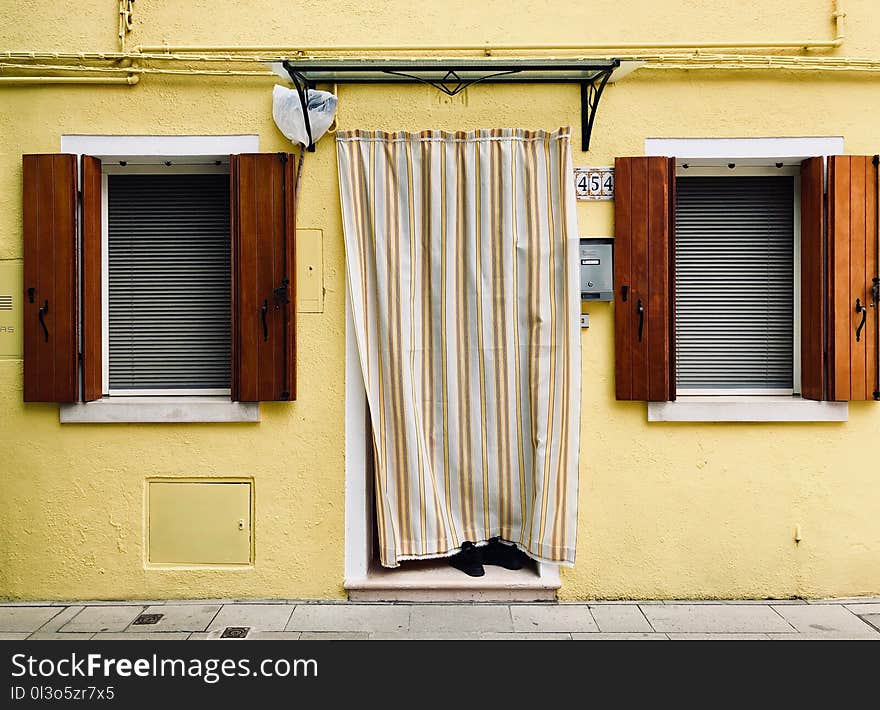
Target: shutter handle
[44,309]
[863,309]
[263,311]
[624,292]
[641,311]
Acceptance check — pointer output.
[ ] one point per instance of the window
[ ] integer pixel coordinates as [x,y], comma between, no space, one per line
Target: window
[735,282]
[148,274]
[742,269]
[167,296]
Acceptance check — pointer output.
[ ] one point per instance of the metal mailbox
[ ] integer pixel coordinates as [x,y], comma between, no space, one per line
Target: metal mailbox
[597,275]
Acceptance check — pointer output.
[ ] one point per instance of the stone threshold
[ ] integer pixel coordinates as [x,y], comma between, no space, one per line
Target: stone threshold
[437,581]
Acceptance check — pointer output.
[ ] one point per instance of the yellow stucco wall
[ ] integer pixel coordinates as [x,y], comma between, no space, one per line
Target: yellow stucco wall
[675,510]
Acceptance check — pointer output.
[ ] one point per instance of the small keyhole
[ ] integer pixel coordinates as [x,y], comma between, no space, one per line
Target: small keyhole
[241,524]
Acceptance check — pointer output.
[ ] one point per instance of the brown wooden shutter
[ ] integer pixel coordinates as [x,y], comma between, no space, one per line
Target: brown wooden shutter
[851,266]
[644,210]
[813,281]
[263,305]
[50,297]
[91,279]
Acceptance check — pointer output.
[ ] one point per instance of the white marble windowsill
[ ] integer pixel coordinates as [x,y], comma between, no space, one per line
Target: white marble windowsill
[127,410]
[747,409]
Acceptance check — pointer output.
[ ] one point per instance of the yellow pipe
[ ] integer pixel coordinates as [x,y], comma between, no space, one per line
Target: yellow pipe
[138,70]
[42,80]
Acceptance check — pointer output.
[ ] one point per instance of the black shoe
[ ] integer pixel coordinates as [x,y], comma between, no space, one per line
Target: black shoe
[468,560]
[497,553]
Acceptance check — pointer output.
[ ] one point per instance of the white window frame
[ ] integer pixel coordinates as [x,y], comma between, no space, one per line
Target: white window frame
[145,165]
[158,149]
[712,153]
[721,169]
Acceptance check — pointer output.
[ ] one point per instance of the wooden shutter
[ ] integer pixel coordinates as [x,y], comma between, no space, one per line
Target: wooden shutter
[851,267]
[50,297]
[644,201]
[263,222]
[813,281]
[91,279]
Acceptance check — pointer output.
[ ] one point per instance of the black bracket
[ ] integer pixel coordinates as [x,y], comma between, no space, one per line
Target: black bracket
[302,86]
[591,92]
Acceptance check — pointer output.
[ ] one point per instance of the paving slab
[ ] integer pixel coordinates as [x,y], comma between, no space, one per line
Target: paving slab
[18,619]
[763,601]
[203,602]
[545,617]
[149,636]
[718,637]
[177,617]
[107,602]
[715,618]
[102,618]
[864,609]
[56,636]
[20,636]
[460,617]
[612,618]
[826,636]
[334,636]
[273,636]
[845,600]
[60,619]
[257,617]
[873,620]
[619,637]
[210,636]
[822,617]
[360,617]
[424,636]
[500,636]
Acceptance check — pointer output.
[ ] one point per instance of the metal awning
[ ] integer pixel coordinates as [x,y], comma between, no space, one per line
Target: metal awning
[454,75]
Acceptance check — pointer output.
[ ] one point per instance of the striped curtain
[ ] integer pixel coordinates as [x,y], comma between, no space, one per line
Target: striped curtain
[462,254]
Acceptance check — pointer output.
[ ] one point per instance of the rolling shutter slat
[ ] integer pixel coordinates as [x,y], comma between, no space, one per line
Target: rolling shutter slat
[734,282]
[169,281]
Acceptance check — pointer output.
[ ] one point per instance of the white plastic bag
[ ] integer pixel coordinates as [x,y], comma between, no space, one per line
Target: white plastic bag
[288,115]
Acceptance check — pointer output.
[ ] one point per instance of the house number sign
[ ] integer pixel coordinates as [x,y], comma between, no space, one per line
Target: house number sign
[594,183]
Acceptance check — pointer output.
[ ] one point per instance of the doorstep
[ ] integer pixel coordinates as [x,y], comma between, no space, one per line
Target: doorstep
[437,581]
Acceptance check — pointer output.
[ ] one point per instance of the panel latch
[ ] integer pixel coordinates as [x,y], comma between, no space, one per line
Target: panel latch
[282,293]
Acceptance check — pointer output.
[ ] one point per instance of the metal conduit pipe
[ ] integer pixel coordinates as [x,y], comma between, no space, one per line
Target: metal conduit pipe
[138,70]
[43,80]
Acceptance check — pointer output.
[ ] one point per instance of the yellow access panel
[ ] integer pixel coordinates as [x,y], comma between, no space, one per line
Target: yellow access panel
[199,522]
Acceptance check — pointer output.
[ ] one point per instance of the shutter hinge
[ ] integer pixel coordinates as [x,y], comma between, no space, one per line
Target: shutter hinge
[283,157]
[876,160]
[285,395]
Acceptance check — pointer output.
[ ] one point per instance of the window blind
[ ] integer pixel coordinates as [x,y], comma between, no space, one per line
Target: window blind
[734,299]
[169,281]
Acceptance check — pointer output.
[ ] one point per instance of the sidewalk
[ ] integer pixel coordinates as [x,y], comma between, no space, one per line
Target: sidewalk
[857,618]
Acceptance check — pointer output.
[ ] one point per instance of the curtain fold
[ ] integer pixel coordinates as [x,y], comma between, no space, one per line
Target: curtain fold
[462,258]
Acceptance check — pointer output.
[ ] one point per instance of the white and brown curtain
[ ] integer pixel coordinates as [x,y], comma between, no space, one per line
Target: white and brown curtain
[462,254]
